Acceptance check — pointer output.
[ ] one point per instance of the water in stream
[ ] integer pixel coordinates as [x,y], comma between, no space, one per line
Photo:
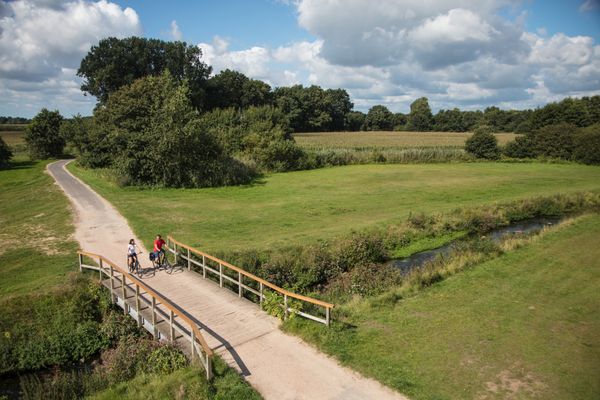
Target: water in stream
[527,226]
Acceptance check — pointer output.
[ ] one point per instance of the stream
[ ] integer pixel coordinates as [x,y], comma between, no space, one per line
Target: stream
[527,226]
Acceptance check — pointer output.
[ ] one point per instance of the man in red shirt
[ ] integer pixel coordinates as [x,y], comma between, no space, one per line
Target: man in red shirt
[158,249]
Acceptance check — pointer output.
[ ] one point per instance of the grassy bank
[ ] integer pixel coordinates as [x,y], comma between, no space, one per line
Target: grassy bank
[523,325]
[302,207]
[37,233]
[387,140]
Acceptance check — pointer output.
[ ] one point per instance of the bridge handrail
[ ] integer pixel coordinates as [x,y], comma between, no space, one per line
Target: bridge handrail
[261,281]
[197,335]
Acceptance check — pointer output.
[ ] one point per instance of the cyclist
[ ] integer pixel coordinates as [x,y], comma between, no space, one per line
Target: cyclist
[159,252]
[132,254]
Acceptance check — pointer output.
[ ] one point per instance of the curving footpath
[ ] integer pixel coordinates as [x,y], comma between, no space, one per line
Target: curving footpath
[279,366]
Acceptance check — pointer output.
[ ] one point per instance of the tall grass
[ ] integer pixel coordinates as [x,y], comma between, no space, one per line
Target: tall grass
[334,157]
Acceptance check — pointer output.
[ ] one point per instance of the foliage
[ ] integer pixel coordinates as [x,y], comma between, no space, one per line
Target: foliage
[260,134]
[313,109]
[483,144]
[5,153]
[420,117]
[43,137]
[379,118]
[233,89]
[76,132]
[354,121]
[165,360]
[586,146]
[150,134]
[554,141]
[114,63]
[521,147]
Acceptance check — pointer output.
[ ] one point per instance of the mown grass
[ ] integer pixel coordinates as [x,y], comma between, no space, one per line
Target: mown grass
[38,249]
[523,325]
[427,243]
[305,206]
[387,140]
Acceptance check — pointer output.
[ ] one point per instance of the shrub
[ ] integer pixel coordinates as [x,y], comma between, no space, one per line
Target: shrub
[43,135]
[586,148]
[555,141]
[483,144]
[165,360]
[5,153]
[521,147]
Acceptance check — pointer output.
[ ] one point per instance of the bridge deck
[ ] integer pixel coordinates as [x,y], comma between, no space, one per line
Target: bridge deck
[279,366]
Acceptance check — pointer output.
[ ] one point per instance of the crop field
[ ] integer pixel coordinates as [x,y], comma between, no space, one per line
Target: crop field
[302,207]
[387,140]
[521,326]
[13,134]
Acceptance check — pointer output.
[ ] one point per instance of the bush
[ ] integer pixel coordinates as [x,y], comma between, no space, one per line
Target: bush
[586,146]
[43,135]
[5,153]
[554,141]
[521,147]
[165,360]
[483,144]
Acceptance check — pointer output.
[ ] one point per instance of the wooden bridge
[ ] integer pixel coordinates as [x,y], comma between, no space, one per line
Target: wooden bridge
[167,321]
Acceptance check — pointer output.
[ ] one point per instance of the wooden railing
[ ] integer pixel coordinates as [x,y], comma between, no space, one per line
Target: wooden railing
[161,309]
[242,280]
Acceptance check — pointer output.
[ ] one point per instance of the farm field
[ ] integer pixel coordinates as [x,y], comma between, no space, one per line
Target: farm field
[521,326]
[302,207]
[13,134]
[383,139]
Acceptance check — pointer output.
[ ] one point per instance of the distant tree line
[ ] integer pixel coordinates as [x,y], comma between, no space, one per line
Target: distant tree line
[14,120]
[163,120]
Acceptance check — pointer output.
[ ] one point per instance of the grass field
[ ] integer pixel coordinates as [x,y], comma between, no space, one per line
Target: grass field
[37,244]
[13,137]
[522,326]
[301,207]
[387,140]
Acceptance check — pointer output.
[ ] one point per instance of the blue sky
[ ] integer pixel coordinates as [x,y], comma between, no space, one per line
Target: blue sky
[463,53]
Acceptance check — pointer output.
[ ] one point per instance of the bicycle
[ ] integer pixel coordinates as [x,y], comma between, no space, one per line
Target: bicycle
[161,261]
[135,266]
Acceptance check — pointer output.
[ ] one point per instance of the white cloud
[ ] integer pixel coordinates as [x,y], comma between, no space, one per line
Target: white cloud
[456,53]
[175,31]
[589,5]
[42,43]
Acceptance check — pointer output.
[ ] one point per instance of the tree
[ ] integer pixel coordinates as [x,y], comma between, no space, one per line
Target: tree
[354,121]
[483,144]
[587,145]
[5,153]
[150,134]
[234,89]
[114,63]
[555,141]
[399,121]
[76,131]
[43,135]
[420,117]
[379,118]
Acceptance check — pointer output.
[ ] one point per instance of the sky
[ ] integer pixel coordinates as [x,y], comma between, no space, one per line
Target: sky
[469,54]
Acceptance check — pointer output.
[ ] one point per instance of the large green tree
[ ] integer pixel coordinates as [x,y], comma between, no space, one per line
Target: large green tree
[150,134]
[114,63]
[234,89]
[379,118]
[420,117]
[5,153]
[43,135]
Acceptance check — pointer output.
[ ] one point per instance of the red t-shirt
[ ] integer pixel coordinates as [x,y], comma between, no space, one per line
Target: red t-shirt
[158,244]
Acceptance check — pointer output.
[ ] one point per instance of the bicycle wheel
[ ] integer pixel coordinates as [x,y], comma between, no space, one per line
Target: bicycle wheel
[139,269]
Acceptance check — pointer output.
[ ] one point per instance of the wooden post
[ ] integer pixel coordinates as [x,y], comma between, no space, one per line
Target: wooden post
[112,285]
[124,293]
[137,305]
[203,266]
[172,329]
[209,374]
[101,266]
[220,274]
[239,284]
[261,294]
[285,307]
[154,317]
[80,262]
[189,259]
[192,339]
[327,311]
